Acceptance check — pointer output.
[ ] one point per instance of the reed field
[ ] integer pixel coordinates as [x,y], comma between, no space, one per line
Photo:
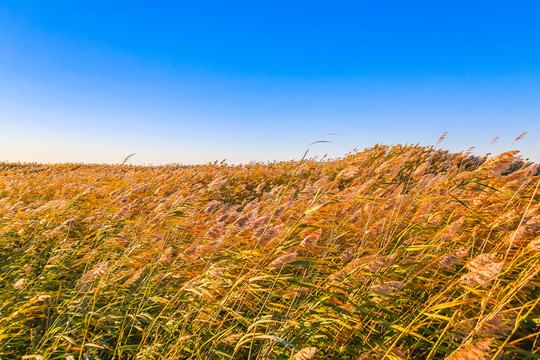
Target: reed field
[393,252]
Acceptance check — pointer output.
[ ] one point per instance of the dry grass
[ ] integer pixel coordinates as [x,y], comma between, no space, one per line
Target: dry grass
[390,253]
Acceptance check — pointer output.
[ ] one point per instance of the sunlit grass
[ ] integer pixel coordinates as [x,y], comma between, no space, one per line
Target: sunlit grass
[393,252]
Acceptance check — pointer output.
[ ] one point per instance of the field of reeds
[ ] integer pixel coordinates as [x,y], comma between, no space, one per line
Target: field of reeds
[394,252]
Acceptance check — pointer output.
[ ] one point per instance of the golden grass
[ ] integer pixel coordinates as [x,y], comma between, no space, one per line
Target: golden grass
[398,252]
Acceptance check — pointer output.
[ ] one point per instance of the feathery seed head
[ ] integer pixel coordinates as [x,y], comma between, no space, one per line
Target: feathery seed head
[19,284]
[451,259]
[305,354]
[168,256]
[534,245]
[283,260]
[388,288]
[311,240]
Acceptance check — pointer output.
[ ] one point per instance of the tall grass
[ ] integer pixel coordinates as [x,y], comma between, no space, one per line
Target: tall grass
[394,252]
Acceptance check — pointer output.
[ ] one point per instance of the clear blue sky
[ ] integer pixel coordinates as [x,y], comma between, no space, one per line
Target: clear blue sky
[198,81]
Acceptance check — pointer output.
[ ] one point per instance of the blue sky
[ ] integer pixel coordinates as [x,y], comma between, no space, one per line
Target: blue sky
[193,82]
